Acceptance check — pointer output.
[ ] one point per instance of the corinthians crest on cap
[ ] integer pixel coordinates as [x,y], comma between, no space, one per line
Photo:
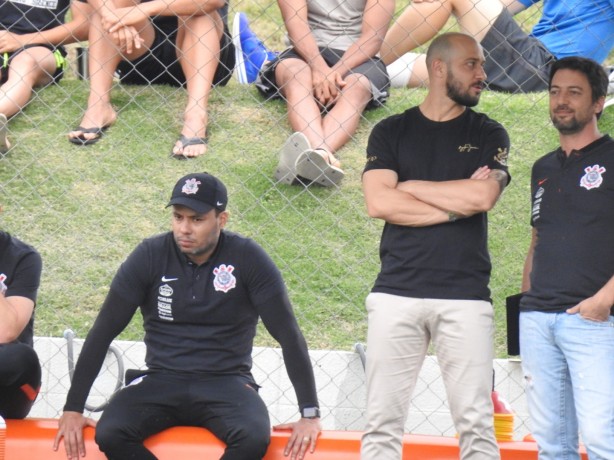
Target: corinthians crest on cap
[200,192]
[191,186]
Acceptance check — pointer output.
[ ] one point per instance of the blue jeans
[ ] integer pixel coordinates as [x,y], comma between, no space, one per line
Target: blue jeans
[568,365]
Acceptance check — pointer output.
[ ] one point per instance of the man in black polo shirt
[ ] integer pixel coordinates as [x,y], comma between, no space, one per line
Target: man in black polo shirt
[201,290]
[20,371]
[566,319]
[432,173]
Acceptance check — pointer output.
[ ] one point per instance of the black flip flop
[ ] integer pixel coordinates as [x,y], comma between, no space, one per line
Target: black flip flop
[186,141]
[81,140]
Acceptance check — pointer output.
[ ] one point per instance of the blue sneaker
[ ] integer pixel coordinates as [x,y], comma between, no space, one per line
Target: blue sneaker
[250,52]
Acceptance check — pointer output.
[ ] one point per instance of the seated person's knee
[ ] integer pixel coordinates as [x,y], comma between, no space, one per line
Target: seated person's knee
[111,435]
[358,85]
[250,439]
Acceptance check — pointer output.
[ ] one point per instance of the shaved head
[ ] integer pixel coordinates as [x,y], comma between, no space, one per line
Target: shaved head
[445,45]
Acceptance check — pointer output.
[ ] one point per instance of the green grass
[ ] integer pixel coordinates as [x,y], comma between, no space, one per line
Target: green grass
[85,208]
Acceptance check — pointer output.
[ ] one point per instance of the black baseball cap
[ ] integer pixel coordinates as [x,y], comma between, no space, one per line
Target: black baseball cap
[200,192]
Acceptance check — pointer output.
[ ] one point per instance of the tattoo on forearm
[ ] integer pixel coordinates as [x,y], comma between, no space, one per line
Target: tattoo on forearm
[500,176]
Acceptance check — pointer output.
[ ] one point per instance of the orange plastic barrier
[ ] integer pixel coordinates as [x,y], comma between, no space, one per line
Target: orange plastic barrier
[32,439]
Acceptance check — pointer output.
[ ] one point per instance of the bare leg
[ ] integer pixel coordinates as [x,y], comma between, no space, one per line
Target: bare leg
[198,46]
[30,68]
[342,120]
[333,130]
[294,78]
[104,57]
[420,22]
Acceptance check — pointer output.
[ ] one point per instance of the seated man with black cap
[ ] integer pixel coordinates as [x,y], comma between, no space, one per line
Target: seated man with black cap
[201,290]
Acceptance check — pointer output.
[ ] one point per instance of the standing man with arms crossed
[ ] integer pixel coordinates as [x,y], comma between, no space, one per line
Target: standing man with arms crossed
[20,370]
[566,318]
[432,173]
[201,290]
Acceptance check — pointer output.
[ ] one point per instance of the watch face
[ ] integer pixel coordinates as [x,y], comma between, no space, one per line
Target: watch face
[311,412]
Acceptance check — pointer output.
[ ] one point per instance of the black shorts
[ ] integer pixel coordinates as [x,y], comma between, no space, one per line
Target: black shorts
[59,54]
[374,69]
[161,65]
[515,62]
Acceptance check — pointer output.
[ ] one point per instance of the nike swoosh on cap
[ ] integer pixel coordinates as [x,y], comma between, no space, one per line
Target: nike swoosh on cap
[165,279]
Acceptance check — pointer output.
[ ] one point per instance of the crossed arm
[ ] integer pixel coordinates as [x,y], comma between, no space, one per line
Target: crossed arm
[422,203]
[130,15]
[122,21]
[73,31]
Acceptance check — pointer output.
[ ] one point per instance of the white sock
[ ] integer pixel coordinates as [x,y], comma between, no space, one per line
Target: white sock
[400,70]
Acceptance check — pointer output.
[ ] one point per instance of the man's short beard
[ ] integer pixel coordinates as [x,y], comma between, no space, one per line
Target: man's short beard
[200,251]
[457,96]
[572,127]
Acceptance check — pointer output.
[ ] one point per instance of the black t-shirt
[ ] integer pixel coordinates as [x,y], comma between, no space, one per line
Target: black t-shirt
[446,261]
[20,273]
[27,16]
[573,214]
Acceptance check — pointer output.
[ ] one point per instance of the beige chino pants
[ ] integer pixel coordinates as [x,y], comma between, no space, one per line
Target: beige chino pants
[400,331]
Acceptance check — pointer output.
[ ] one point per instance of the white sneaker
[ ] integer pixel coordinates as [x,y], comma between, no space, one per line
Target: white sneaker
[316,166]
[296,144]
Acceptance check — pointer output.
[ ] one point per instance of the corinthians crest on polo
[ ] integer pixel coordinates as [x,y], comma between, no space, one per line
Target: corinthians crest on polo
[593,177]
[224,279]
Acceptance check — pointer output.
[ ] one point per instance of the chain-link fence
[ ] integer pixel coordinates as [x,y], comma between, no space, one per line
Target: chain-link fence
[339,376]
[85,207]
